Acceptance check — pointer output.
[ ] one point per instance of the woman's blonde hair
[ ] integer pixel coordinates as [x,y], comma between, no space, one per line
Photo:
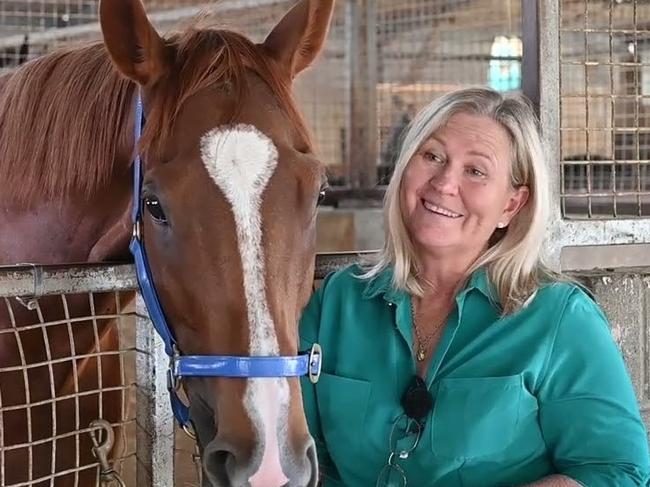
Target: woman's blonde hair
[513,258]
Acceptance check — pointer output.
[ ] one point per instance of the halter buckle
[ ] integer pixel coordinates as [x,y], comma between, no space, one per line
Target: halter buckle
[137,229]
[173,381]
[315,363]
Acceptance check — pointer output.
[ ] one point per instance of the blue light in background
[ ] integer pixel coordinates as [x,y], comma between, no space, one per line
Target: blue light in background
[504,72]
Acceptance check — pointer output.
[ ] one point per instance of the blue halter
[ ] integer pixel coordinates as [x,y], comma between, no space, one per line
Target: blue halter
[308,364]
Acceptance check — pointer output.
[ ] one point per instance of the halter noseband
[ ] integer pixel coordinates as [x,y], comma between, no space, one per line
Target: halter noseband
[180,366]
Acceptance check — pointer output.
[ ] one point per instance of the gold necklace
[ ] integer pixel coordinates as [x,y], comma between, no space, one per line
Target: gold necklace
[423,344]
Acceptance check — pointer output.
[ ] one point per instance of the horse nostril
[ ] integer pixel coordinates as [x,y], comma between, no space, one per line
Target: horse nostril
[310,453]
[220,466]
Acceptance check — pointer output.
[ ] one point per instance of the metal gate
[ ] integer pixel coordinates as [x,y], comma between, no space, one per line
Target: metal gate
[140,430]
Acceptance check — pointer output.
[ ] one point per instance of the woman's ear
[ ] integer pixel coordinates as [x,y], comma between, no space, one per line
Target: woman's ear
[515,202]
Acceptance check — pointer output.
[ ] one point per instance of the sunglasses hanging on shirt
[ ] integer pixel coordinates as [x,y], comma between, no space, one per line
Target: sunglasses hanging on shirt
[417,403]
[417,400]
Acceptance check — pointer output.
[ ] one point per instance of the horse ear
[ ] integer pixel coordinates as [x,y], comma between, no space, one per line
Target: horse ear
[135,47]
[298,38]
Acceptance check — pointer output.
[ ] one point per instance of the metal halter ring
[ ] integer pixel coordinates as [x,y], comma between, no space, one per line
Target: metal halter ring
[189,431]
[315,360]
[137,230]
[173,380]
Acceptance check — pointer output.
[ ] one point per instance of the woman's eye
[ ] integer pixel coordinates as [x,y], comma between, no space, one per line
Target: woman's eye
[476,172]
[153,206]
[432,156]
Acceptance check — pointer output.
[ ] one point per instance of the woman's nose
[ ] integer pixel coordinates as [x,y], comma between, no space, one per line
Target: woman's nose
[445,181]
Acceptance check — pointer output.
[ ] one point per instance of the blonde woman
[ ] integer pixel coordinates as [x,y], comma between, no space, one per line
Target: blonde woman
[457,359]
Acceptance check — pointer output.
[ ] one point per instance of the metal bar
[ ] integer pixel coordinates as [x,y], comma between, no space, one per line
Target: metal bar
[369,174]
[592,30]
[61,398]
[27,280]
[357,118]
[154,418]
[59,437]
[586,131]
[549,112]
[119,278]
[530,56]
[362,15]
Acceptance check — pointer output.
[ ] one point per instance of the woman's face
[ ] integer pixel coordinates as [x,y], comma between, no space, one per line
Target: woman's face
[456,188]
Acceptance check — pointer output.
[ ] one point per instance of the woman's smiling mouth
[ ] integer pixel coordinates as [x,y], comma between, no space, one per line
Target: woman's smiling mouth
[440,210]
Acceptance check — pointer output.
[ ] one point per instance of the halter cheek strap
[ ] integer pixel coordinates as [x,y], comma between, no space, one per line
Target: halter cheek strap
[308,364]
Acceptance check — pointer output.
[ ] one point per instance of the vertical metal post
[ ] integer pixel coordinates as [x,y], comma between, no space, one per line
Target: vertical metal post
[155,421]
[530,55]
[549,114]
[362,48]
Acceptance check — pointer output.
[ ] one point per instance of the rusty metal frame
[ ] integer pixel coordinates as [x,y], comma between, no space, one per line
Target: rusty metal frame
[562,232]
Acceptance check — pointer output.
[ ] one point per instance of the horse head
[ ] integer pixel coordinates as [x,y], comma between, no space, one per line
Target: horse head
[230,186]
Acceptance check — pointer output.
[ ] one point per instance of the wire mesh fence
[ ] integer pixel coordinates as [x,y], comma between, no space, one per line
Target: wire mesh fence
[604,102]
[427,48]
[72,353]
[32,28]
[24,16]
[414,51]
[67,360]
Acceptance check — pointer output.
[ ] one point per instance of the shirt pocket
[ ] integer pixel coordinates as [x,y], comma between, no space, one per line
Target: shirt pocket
[342,404]
[475,417]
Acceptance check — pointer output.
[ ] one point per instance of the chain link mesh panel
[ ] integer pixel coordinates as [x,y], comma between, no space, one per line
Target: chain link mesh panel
[605,108]
[430,47]
[66,361]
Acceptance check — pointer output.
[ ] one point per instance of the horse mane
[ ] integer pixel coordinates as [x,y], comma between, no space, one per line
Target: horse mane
[64,116]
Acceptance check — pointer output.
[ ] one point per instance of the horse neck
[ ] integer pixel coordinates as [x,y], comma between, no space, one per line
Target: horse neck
[67,229]
[63,231]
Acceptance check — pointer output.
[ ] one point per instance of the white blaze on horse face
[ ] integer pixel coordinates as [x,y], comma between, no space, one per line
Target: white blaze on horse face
[241,160]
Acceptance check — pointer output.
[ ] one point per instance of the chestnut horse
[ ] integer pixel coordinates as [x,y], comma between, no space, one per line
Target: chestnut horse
[230,189]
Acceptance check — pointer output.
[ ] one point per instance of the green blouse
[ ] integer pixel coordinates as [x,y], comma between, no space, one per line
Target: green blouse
[542,391]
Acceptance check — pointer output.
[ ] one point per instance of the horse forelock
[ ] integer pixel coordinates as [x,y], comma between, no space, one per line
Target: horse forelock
[65,116]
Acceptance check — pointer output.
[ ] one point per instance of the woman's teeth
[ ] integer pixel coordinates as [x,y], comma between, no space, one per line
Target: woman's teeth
[439,210]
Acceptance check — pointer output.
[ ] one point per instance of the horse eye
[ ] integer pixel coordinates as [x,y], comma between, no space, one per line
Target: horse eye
[322,194]
[153,206]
